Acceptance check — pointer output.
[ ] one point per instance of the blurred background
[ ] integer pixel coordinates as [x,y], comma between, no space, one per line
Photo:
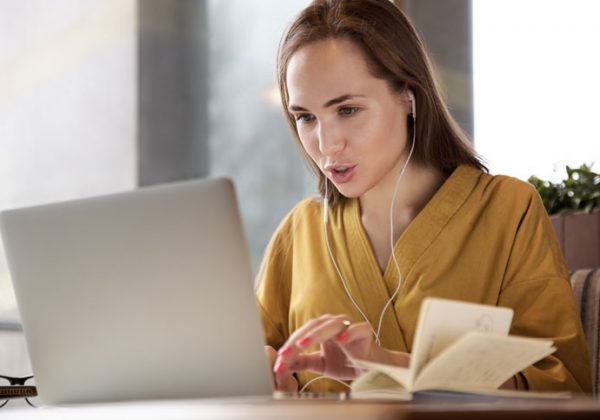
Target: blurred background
[103,96]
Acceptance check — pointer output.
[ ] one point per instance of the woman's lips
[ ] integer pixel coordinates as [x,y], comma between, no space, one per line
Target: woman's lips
[341,177]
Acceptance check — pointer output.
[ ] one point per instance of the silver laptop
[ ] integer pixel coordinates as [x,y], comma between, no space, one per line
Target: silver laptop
[140,295]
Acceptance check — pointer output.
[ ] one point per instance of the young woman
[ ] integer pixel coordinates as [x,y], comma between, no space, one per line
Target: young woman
[407,211]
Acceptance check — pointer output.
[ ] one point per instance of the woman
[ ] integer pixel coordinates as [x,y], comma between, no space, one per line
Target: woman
[396,172]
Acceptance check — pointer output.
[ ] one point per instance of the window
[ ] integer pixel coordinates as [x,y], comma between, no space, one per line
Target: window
[249,139]
[536,85]
[67,105]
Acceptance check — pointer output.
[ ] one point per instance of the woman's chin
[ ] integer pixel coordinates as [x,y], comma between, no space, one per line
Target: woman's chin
[348,192]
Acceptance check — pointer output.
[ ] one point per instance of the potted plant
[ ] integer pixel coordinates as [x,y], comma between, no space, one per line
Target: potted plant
[574,208]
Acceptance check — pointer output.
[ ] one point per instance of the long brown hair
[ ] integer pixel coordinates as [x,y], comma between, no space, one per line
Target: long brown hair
[394,53]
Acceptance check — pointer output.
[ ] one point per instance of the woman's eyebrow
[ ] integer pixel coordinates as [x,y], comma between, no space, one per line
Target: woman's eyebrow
[341,99]
[329,103]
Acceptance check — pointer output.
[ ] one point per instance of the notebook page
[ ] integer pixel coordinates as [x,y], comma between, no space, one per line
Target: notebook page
[481,361]
[443,321]
[378,376]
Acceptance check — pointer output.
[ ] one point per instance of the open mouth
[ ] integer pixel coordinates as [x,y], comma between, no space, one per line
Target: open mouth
[341,173]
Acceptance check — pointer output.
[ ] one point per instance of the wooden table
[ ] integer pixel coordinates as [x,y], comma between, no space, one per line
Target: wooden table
[248,408]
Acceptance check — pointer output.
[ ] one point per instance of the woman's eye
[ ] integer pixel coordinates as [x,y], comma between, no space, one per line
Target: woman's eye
[304,118]
[348,110]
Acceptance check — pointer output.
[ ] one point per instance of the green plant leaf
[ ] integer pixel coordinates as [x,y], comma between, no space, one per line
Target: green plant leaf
[580,190]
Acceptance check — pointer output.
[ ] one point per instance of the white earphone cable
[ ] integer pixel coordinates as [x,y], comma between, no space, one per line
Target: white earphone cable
[325,224]
[318,378]
[392,236]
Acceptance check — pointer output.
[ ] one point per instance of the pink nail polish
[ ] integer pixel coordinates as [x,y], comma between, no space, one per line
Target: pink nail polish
[279,368]
[305,342]
[286,351]
[342,337]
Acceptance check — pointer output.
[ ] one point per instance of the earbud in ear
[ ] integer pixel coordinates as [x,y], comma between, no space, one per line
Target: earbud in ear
[413,102]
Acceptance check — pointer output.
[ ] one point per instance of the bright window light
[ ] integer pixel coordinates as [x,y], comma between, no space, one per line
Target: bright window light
[536,72]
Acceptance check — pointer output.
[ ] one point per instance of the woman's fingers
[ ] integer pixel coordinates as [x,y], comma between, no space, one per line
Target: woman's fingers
[331,362]
[284,381]
[313,332]
[318,331]
[312,325]
[308,361]
[357,340]
[326,330]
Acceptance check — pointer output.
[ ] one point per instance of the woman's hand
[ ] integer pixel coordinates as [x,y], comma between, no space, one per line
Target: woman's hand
[338,340]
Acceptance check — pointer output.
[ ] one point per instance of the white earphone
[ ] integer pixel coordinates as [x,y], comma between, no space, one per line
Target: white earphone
[413,102]
[411,96]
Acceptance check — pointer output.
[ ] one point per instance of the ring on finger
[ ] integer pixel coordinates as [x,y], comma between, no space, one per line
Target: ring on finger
[343,335]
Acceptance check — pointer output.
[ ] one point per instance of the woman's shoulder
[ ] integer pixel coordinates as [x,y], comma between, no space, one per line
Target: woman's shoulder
[484,190]
[305,211]
[506,188]
[308,206]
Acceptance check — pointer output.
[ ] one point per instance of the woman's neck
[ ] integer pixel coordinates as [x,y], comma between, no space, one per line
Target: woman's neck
[417,186]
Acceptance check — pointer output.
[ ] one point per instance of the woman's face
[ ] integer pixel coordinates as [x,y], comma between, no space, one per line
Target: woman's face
[351,124]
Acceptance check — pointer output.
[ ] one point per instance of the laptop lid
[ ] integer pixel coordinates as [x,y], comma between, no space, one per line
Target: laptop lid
[139,295]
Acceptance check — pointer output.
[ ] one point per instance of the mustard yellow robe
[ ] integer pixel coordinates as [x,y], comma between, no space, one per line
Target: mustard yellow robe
[481,238]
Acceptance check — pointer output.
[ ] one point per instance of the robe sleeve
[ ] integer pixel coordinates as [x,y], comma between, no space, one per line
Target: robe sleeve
[536,286]
[274,285]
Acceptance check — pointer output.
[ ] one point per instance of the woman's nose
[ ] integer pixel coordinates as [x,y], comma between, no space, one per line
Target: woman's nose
[331,140]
